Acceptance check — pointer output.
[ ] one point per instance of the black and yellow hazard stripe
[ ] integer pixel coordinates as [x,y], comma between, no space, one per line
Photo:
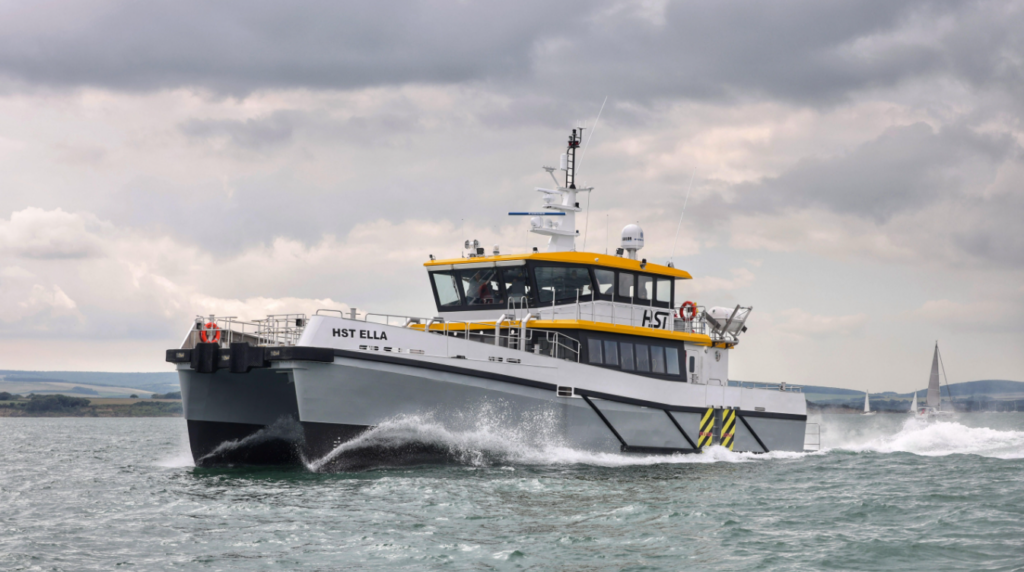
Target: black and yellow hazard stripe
[707,428]
[728,427]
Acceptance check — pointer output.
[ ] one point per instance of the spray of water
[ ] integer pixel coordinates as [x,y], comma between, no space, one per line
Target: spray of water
[487,438]
[932,439]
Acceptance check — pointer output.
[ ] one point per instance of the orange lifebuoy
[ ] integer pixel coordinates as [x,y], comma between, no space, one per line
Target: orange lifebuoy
[692,310]
[211,338]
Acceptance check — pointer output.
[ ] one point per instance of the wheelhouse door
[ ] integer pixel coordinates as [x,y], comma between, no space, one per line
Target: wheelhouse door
[693,366]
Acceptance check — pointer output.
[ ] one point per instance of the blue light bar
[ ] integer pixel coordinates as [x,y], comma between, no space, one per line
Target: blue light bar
[537,214]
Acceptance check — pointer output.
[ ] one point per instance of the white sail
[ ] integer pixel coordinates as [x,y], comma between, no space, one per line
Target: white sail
[933,381]
[867,405]
[913,404]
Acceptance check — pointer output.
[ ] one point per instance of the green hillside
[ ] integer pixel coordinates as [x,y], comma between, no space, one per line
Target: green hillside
[87,383]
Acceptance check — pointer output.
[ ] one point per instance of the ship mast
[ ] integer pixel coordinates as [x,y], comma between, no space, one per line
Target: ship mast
[569,161]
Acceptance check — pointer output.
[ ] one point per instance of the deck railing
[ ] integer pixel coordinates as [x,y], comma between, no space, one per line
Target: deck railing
[274,330]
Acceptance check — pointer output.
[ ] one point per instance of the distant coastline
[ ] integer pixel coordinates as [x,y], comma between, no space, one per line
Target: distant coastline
[68,406]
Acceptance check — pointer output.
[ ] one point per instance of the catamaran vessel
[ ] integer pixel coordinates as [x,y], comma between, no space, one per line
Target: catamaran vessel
[594,350]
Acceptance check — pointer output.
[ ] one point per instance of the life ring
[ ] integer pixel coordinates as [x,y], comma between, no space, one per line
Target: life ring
[692,309]
[212,338]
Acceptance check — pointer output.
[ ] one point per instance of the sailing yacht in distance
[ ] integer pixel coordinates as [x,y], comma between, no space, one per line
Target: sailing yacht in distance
[867,405]
[933,401]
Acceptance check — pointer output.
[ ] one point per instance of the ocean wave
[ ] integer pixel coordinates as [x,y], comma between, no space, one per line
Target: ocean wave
[939,438]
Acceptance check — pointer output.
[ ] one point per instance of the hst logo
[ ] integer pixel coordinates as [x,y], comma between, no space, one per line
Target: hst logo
[656,320]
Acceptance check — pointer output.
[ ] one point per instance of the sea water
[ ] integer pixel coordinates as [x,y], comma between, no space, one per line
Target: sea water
[885,493]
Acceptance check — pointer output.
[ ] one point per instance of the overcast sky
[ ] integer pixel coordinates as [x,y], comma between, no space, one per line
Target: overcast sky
[858,167]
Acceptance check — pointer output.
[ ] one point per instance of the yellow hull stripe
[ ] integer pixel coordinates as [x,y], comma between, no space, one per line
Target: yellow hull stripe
[698,339]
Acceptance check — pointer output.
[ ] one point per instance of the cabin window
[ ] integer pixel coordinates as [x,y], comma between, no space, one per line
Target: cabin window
[562,282]
[664,292]
[627,356]
[611,352]
[447,290]
[643,361]
[654,359]
[644,287]
[626,284]
[672,361]
[657,359]
[517,284]
[605,282]
[594,350]
[693,364]
[481,286]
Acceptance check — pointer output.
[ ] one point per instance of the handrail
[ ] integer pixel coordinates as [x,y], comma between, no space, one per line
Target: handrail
[274,330]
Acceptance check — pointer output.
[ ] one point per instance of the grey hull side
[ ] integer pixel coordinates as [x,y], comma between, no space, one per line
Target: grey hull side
[355,394]
[247,418]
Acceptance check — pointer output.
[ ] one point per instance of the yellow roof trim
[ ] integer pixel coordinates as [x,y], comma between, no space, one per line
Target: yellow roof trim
[699,339]
[593,259]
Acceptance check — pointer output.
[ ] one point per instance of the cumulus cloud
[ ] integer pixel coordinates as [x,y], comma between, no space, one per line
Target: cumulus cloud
[27,307]
[55,234]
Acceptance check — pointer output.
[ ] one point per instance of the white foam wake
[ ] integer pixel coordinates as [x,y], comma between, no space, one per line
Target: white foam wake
[939,438]
[488,442]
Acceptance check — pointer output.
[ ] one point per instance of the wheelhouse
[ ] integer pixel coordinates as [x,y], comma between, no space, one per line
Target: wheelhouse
[545,280]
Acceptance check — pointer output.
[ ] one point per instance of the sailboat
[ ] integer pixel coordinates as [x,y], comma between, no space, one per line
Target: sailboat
[933,401]
[867,405]
[913,404]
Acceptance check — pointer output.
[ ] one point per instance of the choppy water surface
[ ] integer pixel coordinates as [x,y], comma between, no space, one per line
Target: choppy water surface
[886,494]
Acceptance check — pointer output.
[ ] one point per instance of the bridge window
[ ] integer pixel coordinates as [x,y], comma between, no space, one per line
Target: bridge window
[446,288]
[605,282]
[517,284]
[626,283]
[644,287]
[481,286]
[562,282]
[664,292]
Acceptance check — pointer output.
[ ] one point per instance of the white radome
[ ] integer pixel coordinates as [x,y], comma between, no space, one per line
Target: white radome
[632,239]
